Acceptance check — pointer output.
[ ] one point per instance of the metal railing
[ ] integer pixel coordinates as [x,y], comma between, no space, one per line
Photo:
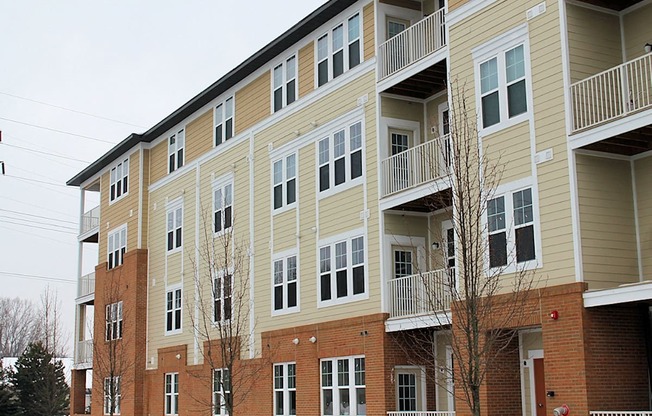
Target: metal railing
[86,285]
[84,354]
[421,293]
[415,166]
[90,220]
[421,413]
[613,93]
[620,413]
[414,43]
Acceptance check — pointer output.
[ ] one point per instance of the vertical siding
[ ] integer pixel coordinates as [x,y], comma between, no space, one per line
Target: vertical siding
[606,221]
[643,172]
[306,69]
[252,103]
[638,31]
[199,136]
[369,31]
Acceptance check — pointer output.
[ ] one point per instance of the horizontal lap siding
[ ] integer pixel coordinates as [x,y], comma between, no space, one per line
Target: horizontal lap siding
[306,69]
[643,172]
[637,30]
[199,136]
[253,103]
[368,31]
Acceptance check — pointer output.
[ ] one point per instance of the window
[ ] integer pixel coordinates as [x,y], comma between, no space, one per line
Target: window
[221,391]
[343,386]
[502,86]
[223,121]
[174,228]
[339,50]
[516,208]
[119,180]
[171,394]
[285,283]
[117,246]
[222,296]
[176,144]
[285,181]
[113,319]
[222,207]
[409,388]
[396,26]
[341,266]
[173,311]
[112,395]
[285,389]
[345,146]
[284,77]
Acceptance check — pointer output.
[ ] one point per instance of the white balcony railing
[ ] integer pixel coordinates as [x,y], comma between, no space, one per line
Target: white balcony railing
[84,354]
[418,165]
[90,220]
[412,44]
[86,285]
[613,93]
[421,413]
[620,413]
[421,293]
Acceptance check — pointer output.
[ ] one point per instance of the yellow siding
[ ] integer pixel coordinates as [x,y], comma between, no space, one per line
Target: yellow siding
[432,114]
[285,231]
[306,69]
[454,4]
[158,167]
[199,136]
[643,172]
[593,41]
[638,31]
[510,150]
[369,31]
[252,103]
[405,225]
[606,221]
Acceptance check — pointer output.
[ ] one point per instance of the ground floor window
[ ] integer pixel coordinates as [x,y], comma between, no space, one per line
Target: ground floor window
[343,388]
[285,389]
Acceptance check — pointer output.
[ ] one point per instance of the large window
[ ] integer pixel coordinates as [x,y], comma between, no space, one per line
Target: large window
[510,219]
[176,144]
[339,50]
[343,386]
[285,389]
[285,181]
[174,227]
[173,310]
[119,180]
[223,121]
[171,394]
[221,391]
[284,78]
[113,320]
[112,395]
[116,246]
[222,296]
[340,157]
[222,207]
[342,270]
[285,283]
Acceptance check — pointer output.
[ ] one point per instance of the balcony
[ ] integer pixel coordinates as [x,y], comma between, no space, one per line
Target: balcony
[90,225]
[419,165]
[86,285]
[420,294]
[422,413]
[413,44]
[84,354]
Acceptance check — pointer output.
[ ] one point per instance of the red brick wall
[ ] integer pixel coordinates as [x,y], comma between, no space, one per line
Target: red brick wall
[77,391]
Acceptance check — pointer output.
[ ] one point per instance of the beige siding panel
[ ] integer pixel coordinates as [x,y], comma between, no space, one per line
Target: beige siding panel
[199,136]
[432,116]
[405,110]
[593,40]
[369,31]
[511,151]
[158,161]
[285,231]
[340,212]
[253,103]
[638,31]
[454,4]
[405,225]
[607,220]
[643,172]
[306,69]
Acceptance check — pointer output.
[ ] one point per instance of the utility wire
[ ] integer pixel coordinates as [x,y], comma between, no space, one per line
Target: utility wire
[44,153]
[38,277]
[37,181]
[39,206]
[57,131]
[31,221]
[37,216]
[41,236]
[71,110]
[40,228]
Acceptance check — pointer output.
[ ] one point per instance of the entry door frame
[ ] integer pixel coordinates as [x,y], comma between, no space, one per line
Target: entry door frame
[528,362]
[422,399]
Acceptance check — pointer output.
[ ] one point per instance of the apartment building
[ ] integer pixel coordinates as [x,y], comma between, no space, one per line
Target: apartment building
[319,157]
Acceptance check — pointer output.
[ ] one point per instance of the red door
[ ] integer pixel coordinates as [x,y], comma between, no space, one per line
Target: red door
[539,387]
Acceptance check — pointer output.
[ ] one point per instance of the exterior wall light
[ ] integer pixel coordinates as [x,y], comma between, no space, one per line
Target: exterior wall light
[312,339]
[295,341]
[648,48]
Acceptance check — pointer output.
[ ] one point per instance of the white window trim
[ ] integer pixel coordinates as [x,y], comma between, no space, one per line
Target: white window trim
[283,256]
[175,149]
[496,48]
[173,331]
[506,191]
[125,177]
[284,182]
[109,320]
[223,121]
[331,241]
[221,274]
[174,394]
[286,389]
[221,183]
[345,41]
[222,410]
[113,233]
[109,397]
[335,387]
[284,63]
[407,369]
[172,208]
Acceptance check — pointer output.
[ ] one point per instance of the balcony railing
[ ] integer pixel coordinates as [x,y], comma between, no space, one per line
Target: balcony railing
[418,165]
[86,285]
[90,220]
[421,413]
[420,294]
[84,353]
[619,413]
[613,93]
[412,44]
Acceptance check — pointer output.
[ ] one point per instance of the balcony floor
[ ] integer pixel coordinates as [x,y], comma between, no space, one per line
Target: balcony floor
[629,143]
[423,84]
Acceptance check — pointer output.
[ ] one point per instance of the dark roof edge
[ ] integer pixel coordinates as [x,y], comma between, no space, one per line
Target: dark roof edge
[309,23]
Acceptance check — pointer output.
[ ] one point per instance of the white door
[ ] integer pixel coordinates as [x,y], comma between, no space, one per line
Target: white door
[410,396]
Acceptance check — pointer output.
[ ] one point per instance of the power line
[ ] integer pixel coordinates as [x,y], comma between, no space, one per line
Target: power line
[57,131]
[66,227]
[37,181]
[38,206]
[38,277]
[40,228]
[37,216]
[50,239]
[44,153]
[71,110]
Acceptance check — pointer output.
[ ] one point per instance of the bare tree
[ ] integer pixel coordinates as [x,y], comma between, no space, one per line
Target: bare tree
[18,326]
[52,334]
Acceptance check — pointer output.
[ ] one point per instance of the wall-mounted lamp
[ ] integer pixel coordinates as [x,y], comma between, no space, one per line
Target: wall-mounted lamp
[648,48]
[435,245]
[178,356]
[312,339]
[295,341]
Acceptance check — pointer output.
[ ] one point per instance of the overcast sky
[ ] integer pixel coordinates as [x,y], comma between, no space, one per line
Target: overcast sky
[132,62]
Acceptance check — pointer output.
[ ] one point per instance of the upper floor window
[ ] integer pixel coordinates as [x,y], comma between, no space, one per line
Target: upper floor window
[285,389]
[112,395]
[342,270]
[285,283]
[224,121]
[339,50]
[221,391]
[285,181]
[285,83]
[176,144]
[222,296]
[113,320]
[117,246]
[173,310]
[343,387]
[171,394]
[222,207]
[340,157]
[119,180]
[174,228]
